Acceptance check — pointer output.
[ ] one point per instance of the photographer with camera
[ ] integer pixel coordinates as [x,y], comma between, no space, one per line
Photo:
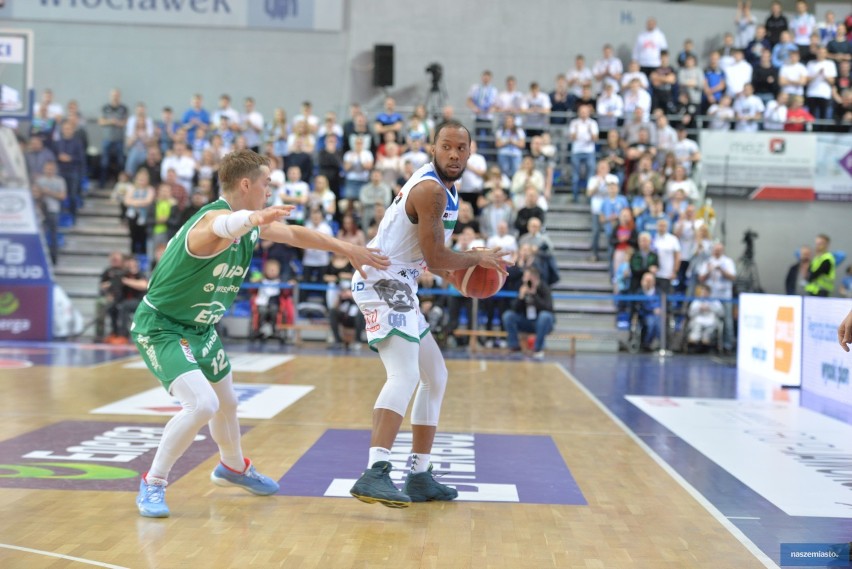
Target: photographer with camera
[718,274]
[531,312]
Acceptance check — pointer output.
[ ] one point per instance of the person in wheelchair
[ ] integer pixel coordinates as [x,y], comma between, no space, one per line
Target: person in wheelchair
[706,320]
[648,312]
[266,303]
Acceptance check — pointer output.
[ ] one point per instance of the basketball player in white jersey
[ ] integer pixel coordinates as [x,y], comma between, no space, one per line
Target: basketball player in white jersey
[413,234]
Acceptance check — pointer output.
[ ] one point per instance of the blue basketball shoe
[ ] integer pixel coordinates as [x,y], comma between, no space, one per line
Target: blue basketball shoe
[249,479]
[151,499]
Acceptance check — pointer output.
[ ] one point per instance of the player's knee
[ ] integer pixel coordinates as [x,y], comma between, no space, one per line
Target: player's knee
[397,391]
[205,408]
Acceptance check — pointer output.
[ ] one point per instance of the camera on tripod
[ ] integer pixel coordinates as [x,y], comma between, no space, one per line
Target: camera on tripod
[748,239]
[436,70]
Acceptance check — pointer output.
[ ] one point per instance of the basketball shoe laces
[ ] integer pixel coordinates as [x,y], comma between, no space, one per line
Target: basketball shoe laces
[155,493]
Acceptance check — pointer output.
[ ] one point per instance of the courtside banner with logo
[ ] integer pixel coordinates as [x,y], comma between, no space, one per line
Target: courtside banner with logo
[778,165]
[798,460]
[26,289]
[833,173]
[825,366]
[92,455]
[758,159]
[255,401]
[305,15]
[769,342]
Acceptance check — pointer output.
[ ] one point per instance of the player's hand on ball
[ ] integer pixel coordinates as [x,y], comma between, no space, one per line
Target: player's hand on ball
[494,259]
[270,214]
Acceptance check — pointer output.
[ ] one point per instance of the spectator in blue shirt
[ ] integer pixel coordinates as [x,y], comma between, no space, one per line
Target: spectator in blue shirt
[714,81]
[389,121]
[195,116]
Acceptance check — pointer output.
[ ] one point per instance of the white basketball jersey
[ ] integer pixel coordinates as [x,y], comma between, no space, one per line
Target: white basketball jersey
[397,235]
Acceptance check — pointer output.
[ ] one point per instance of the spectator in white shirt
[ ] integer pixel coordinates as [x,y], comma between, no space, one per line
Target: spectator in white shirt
[649,45]
[511,100]
[637,97]
[308,117]
[610,107]
[181,161]
[718,273]
[634,72]
[686,150]
[722,114]
[822,73]
[775,115]
[749,109]
[802,24]
[667,247]
[502,239]
[537,111]
[578,77]
[471,182]
[225,110]
[583,133]
[737,74]
[666,135]
[54,109]
[608,70]
[793,76]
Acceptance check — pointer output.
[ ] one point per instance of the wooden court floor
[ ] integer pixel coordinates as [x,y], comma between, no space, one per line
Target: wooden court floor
[636,515]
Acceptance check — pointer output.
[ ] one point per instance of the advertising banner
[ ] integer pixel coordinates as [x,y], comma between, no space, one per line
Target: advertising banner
[304,15]
[26,289]
[825,366]
[778,165]
[769,344]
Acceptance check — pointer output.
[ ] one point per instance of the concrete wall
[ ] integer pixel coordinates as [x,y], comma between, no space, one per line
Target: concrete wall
[783,227]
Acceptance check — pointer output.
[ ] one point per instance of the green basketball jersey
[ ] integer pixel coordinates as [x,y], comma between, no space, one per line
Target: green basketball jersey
[193,290]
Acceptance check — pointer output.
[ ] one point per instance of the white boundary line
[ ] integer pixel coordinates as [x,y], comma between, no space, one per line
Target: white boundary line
[60,556]
[711,509]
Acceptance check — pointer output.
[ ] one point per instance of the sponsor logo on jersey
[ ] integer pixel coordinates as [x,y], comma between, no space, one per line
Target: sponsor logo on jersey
[396,320]
[149,352]
[206,350]
[396,294]
[371,318]
[225,271]
[209,287]
[187,351]
[211,312]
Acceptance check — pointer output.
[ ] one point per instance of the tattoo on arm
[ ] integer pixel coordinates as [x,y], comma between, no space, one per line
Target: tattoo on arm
[438,207]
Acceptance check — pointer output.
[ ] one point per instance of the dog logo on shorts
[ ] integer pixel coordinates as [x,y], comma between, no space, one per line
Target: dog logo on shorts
[396,293]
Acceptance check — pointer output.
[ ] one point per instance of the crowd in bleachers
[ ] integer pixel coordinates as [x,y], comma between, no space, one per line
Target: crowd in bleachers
[623,140]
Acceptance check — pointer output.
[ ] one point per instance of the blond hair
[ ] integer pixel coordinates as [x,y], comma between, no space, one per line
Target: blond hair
[238,165]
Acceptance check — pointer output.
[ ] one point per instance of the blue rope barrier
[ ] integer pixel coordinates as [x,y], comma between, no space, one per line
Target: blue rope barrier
[317,287]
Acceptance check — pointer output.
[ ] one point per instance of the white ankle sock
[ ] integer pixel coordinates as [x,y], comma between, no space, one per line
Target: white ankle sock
[155,480]
[420,462]
[378,454]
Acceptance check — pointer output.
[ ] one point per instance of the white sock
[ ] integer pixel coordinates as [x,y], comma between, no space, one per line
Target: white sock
[420,462]
[155,480]
[378,454]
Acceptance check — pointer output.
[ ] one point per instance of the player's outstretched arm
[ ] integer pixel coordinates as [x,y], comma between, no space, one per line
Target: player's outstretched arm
[305,238]
[844,332]
[426,204]
[218,229]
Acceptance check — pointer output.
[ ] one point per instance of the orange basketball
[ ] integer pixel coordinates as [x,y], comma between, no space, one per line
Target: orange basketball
[478,282]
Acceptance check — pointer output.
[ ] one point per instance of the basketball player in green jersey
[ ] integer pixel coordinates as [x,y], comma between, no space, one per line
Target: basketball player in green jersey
[193,285]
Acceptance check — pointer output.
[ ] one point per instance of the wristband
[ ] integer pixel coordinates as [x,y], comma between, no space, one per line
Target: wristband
[233,225]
